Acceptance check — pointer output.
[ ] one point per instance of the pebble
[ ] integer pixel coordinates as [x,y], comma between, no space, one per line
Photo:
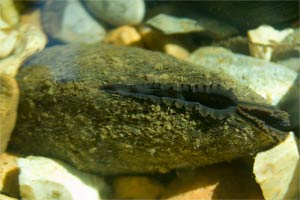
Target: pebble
[9,12]
[264,38]
[169,44]
[31,40]
[174,25]
[45,178]
[277,170]
[287,53]
[9,95]
[9,172]
[118,12]
[136,187]
[176,50]
[222,181]
[33,18]
[125,36]
[60,22]
[270,80]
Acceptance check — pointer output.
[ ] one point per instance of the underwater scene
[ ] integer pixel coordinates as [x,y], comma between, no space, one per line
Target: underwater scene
[149,99]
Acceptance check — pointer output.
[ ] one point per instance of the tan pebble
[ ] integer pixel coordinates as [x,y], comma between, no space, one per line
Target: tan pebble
[157,41]
[9,172]
[176,50]
[9,97]
[152,38]
[222,181]
[264,38]
[136,187]
[33,18]
[124,35]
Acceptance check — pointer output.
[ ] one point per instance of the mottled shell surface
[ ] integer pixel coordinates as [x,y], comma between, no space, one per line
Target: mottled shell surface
[65,113]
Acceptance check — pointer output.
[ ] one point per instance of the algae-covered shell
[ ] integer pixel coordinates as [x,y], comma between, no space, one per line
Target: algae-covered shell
[111,110]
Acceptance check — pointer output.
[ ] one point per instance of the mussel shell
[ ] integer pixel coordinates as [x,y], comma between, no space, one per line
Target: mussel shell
[65,113]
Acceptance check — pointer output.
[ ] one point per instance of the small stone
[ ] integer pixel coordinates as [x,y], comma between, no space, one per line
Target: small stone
[174,25]
[118,12]
[263,40]
[136,187]
[9,96]
[270,80]
[277,170]
[8,12]
[288,51]
[222,181]
[124,35]
[176,50]
[9,172]
[33,18]
[61,23]
[157,41]
[153,39]
[31,41]
[45,178]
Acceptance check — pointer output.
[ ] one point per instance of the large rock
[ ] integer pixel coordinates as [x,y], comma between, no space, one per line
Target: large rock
[109,109]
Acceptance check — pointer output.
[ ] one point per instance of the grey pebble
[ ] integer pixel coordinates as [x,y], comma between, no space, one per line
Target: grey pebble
[272,81]
[60,22]
[118,12]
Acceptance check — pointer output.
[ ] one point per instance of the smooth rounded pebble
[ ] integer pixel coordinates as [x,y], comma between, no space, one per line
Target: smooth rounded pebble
[61,23]
[118,12]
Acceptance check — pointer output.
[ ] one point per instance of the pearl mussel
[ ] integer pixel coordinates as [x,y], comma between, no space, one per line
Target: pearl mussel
[113,110]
